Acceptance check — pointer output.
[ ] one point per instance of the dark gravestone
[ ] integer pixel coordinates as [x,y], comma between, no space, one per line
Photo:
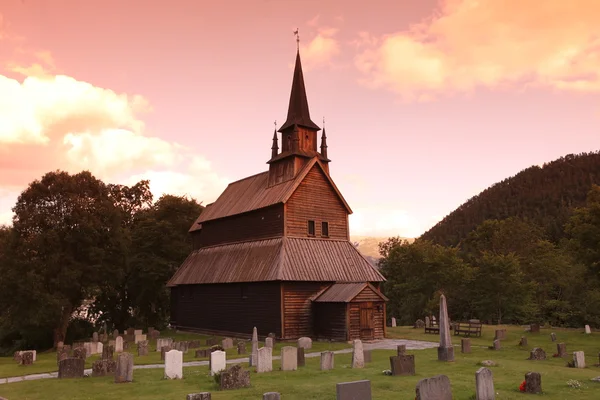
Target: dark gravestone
[272,336]
[193,344]
[27,358]
[301,358]
[163,350]
[402,365]
[357,390]
[235,378]
[446,353]
[465,345]
[212,341]
[533,382]
[241,348]
[17,357]
[154,335]
[130,331]
[497,344]
[534,328]
[271,396]
[142,348]
[537,354]
[203,353]
[561,349]
[198,396]
[80,352]
[124,370]
[401,349]
[108,352]
[115,333]
[500,334]
[419,323]
[104,367]
[553,337]
[436,388]
[523,341]
[71,368]
[61,355]
[367,356]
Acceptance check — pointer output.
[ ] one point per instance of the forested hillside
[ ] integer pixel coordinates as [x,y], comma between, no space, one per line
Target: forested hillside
[543,196]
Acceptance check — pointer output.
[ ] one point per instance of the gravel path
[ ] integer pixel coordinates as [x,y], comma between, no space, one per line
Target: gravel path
[386,344]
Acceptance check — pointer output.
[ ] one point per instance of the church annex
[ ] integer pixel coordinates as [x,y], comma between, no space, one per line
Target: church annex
[273,251]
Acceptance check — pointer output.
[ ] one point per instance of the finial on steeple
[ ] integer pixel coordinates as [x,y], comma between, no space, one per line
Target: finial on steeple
[275,147]
[324,141]
[297,39]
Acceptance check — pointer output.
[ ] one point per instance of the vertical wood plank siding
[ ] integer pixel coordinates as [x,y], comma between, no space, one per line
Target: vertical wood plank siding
[297,307]
[330,321]
[220,307]
[259,224]
[316,200]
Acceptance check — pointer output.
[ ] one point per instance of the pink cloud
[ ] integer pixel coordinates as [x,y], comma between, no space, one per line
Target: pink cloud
[321,50]
[488,43]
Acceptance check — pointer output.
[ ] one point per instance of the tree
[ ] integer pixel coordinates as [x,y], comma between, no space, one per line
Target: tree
[66,241]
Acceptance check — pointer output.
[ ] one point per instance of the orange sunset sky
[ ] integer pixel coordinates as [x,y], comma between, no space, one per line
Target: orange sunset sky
[426,102]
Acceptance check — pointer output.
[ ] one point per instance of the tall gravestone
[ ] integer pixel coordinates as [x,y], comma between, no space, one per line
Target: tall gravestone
[269,342]
[465,345]
[587,329]
[218,361]
[327,360]
[264,360]
[119,344]
[484,384]
[142,348]
[435,388]
[124,370]
[561,349]
[358,356]
[533,382]
[579,359]
[393,322]
[445,350]
[254,353]
[174,364]
[289,358]
[301,358]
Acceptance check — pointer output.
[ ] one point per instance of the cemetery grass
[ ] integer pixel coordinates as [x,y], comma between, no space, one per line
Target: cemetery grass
[310,383]
[46,361]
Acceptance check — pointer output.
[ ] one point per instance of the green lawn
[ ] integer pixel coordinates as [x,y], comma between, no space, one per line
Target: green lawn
[310,383]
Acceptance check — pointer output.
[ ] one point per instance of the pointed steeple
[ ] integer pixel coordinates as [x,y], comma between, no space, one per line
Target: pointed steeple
[324,142]
[298,113]
[275,147]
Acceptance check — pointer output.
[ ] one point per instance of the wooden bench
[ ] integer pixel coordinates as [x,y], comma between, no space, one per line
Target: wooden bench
[432,328]
[468,329]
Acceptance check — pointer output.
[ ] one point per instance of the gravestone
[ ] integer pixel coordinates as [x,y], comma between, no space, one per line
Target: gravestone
[301,358]
[163,342]
[234,378]
[143,348]
[445,349]
[108,352]
[218,361]
[103,367]
[533,382]
[367,356]
[71,368]
[241,348]
[587,329]
[95,337]
[561,349]
[138,332]
[119,344]
[269,342]
[174,364]
[435,388]
[402,365]
[18,356]
[139,338]
[271,396]
[59,346]
[289,358]
[264,360]
[427,322]
[534,328]
[212,341]
[130,331]
[80,352]
[465,345]
[272,336]
[553,337]
[305,343]
[327,360]
[90,348]
[163,351]
[579,359]
[180,346]
[419,323]
[358,356]
[500,334]
[497,344]
[523,341]
[203,353]
[254,351]
[61,355]
[154,334]
[124,370]
[393,322]
[34,352]
[99,347]
[227,343]
[115,333]
[353,390]
[484,384]
[198,396]
[193,344]
[27,358]
[401,349]
[112,343]
[537,354]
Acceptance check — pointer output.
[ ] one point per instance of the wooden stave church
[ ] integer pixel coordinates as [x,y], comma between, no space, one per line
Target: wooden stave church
[258,260]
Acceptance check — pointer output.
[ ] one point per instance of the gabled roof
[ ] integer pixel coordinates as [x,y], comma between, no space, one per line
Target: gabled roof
[345,293]
[278,259]
[253,193]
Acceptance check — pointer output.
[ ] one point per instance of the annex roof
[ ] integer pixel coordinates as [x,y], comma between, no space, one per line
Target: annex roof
[345,293]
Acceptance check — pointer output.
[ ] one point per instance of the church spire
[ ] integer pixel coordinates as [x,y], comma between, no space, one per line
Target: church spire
[298,113]
[275,147]
[324,141]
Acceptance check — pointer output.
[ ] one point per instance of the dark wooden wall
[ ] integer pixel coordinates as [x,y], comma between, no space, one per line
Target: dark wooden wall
[259,224]
[297,307]
[221,307]
[316,200]
[330,321]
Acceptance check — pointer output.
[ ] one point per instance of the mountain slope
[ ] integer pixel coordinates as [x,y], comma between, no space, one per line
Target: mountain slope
[543,195]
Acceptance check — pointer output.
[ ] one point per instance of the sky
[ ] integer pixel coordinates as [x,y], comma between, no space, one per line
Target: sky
[426,103]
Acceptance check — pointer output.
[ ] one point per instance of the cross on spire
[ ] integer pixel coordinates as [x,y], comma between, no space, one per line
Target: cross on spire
[297,34]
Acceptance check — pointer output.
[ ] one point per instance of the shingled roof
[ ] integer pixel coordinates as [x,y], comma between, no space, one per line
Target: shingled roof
[278,259]
[253,193]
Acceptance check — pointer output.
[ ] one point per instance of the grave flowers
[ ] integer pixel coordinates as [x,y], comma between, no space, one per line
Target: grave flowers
[522,387]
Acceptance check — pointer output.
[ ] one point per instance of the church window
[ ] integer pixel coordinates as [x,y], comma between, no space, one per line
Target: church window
[311,228]
[325,229]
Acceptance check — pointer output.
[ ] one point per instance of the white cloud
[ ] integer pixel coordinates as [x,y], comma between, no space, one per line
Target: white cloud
[385,221]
